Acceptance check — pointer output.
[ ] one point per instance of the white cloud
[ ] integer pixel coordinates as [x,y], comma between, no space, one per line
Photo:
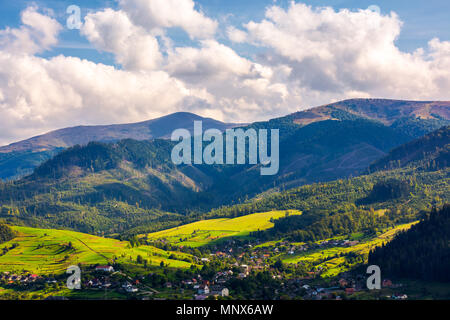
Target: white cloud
[307,57]
[347,51]
[239,88]
[159,14]
[39,95]
[37,34]
[236,35]
[112,31]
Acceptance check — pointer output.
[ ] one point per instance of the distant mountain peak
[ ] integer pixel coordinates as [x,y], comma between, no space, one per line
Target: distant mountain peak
[159,128]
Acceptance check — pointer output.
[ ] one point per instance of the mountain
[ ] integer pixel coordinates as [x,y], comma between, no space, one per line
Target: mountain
[411,118]
[321,151]
[114,187]
[432,150]
[117,186]
[366,204]
[393,113]
[20,158]
[160,128]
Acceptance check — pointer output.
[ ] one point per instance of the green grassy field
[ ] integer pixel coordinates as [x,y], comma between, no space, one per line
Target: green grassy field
[207,231]
[333,264]
[46,251]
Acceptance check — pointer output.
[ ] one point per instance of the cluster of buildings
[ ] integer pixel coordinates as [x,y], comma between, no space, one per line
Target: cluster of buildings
[204,291]
[26,278]
[206,288]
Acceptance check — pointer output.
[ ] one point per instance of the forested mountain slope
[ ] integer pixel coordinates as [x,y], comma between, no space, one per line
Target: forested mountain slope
[20,158]
[430,151]
[423,252]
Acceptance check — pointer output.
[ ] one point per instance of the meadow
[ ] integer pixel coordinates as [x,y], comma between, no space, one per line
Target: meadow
[205,232]
[49,251]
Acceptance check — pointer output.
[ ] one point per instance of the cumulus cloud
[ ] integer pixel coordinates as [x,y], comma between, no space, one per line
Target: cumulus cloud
[236,35]
[241,89]
[65,91]
[349,51]
[112,31]
[156,15]
[37,33]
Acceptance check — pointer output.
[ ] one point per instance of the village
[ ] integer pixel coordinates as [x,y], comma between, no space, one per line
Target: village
[233,270]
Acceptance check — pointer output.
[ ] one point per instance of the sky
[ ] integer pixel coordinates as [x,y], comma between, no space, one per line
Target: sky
[233,60]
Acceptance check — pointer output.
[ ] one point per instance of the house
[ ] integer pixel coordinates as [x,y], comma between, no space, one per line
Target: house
[104,268]
[219,291]
[244,268]
[203,290]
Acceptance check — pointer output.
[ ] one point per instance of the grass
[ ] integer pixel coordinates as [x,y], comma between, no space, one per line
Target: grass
[46,251]
[205,232]
[329,260]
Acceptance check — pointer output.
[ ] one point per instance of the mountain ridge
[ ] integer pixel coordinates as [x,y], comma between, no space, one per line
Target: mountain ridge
[408,118]
[386,111]
[143,130]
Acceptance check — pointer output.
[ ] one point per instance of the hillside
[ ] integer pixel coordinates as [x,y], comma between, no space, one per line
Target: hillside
[338,208]
[20,158]
[395,113]
[423,252]
[215,230]
[129,184]
[334,260]
[46,252]
[160,128]
[407,118]
[432,150]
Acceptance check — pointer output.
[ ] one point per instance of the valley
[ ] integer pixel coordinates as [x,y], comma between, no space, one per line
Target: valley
[354,176]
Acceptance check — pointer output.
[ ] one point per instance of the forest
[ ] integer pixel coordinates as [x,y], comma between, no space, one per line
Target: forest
[422,252]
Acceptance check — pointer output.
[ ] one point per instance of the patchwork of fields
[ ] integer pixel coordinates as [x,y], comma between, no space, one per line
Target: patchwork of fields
[45,251]
[207,231]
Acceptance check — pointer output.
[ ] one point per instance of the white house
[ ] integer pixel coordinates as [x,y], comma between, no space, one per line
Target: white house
[104,268]
[222,292]
[203,290]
